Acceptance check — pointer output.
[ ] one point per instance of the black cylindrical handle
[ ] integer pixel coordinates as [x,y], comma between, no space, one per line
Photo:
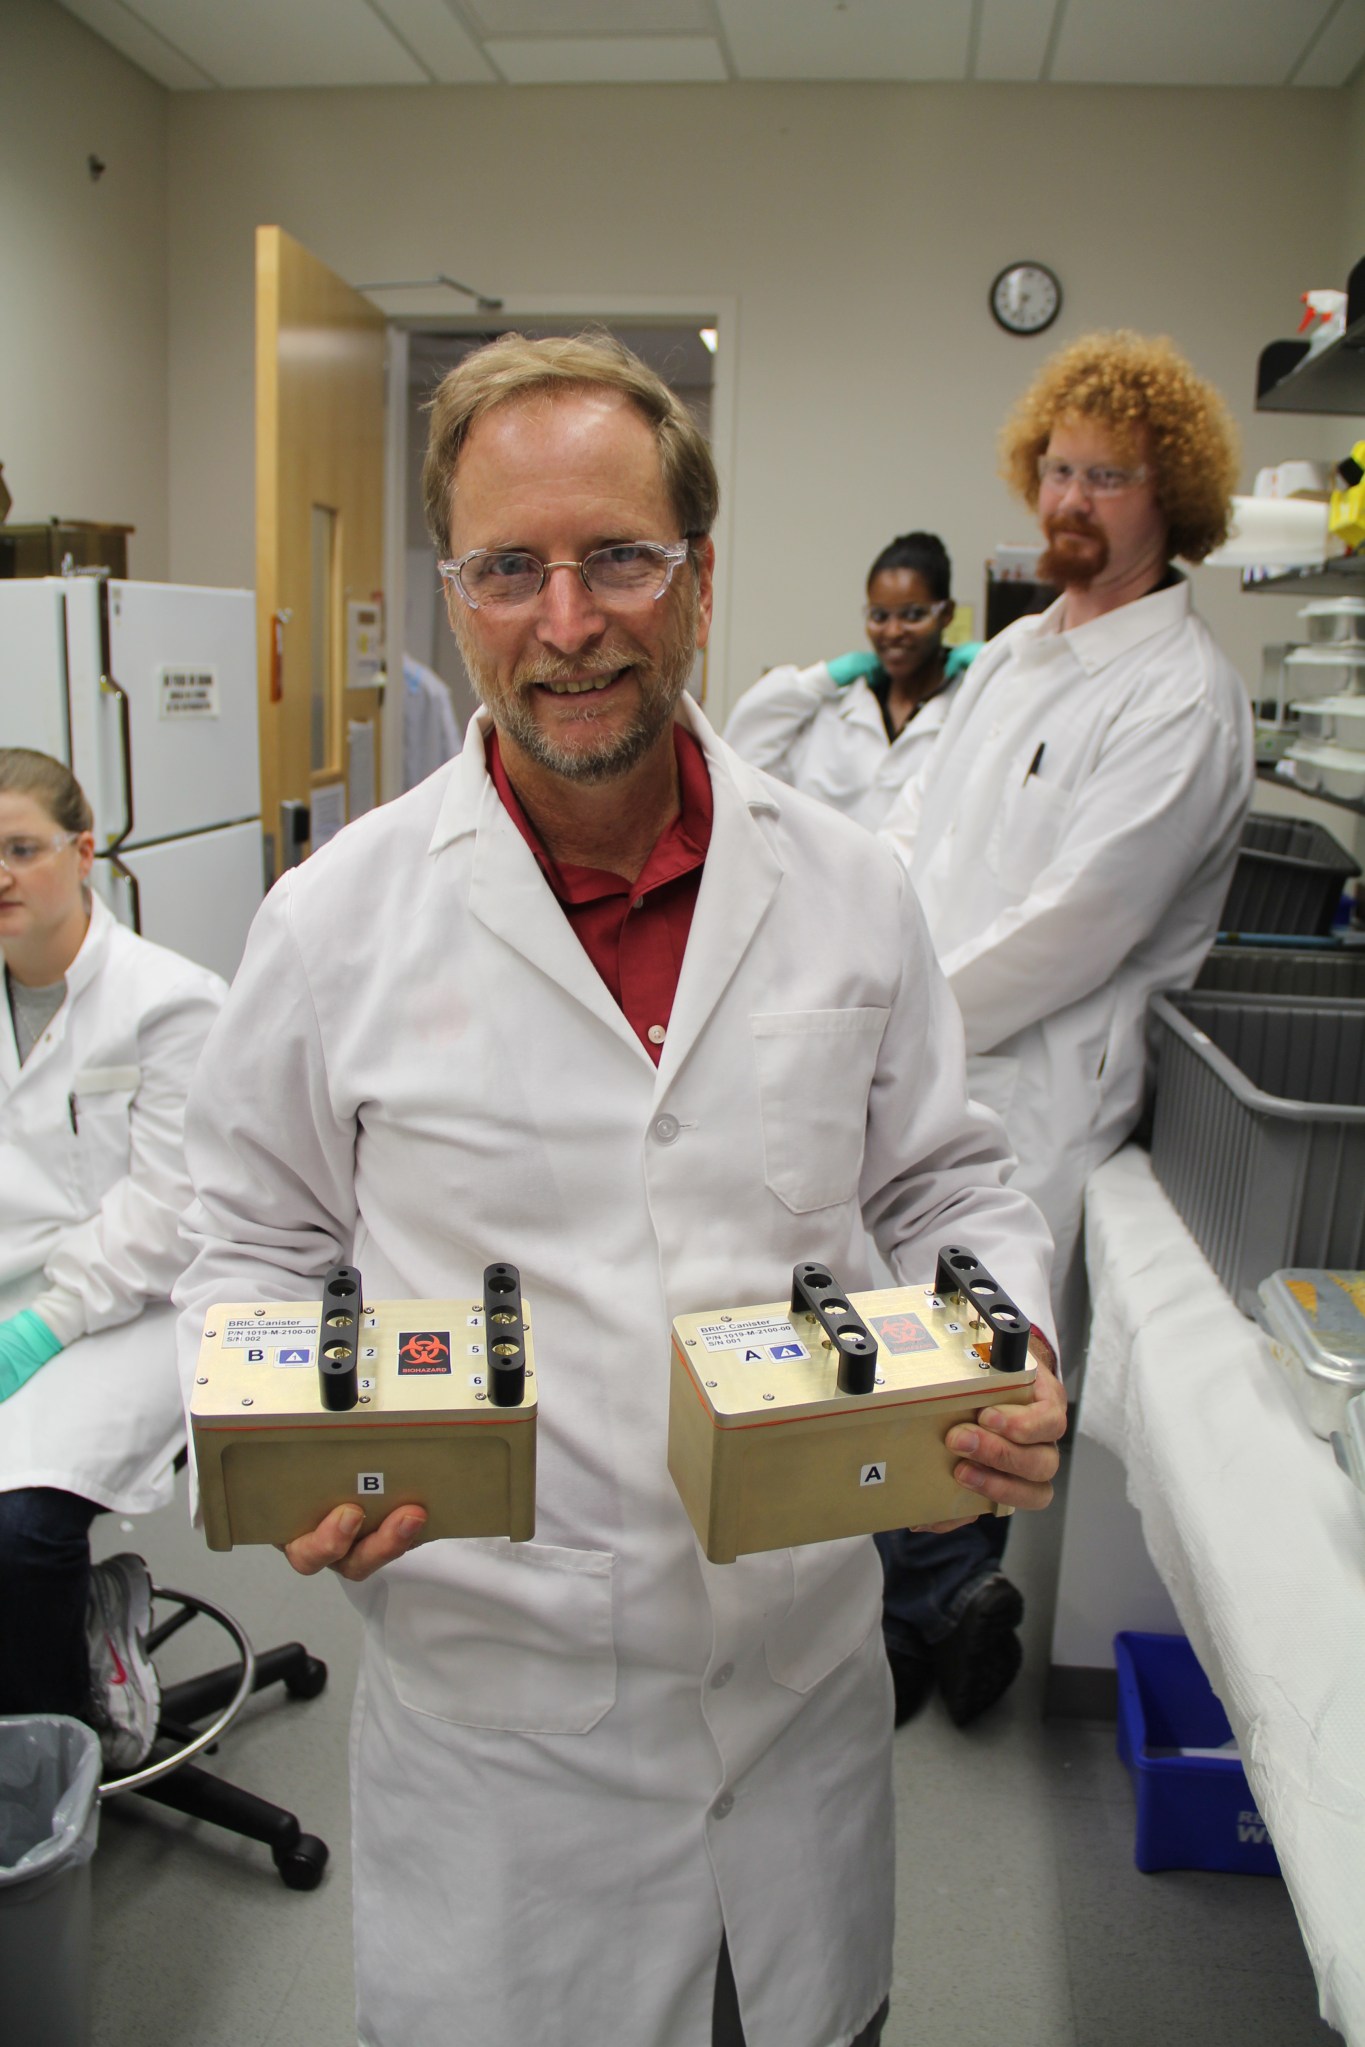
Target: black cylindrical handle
[815,1291]
[959,1272]
[339,1339]
[504,1333]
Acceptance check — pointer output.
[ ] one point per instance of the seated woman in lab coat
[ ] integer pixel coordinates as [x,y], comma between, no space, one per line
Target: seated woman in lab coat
[100,1032]
[853,729]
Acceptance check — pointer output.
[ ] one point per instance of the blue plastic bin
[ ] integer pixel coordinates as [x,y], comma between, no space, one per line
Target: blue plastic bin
[1193,1812]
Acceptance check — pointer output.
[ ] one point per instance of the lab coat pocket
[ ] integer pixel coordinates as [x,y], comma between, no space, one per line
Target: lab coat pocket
[1027,828]
[836,1603]
[513,1636]
[815,1069]
[101,1105]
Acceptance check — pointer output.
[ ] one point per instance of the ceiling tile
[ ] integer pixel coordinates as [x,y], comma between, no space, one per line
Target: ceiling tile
[609,60]
[302,42]
[437,40]
[112,21]
[1012,40]
[564,19]
[854,39]
[1171,42]
[1338,50]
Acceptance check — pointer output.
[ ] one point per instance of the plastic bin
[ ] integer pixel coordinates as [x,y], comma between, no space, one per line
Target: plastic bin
[1258,1130]
[1337,972]
[49,1817]
[1193,1811]
[1288,878]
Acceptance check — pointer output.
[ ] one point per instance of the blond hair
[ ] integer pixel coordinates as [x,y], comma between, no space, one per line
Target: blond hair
[1142,389]
[24,772]
[515,366]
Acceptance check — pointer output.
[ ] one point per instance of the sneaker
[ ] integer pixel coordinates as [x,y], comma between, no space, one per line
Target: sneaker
[978,1662]
[125,1689]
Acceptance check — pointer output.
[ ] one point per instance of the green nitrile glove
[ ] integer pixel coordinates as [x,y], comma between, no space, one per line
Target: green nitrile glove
[846,668]
[960,658]
[26,1344]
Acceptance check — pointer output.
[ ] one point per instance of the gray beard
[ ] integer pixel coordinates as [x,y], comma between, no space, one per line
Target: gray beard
[660,688]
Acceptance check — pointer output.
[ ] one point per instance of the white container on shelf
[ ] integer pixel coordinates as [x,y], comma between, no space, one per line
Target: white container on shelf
[1333,770]
[1338,621]
[1340,718]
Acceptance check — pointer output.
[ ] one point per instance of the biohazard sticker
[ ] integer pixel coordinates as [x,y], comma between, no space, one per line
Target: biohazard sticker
[423,1352]
[755,1334]
[901,1333]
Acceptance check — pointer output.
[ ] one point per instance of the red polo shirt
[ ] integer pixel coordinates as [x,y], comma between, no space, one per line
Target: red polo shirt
[635,933]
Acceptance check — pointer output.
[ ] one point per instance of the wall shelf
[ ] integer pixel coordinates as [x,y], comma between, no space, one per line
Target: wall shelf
[1266,773]
[1344,577]
[1333,381]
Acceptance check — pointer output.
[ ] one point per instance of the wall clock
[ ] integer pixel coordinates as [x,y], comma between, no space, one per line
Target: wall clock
[1026,298]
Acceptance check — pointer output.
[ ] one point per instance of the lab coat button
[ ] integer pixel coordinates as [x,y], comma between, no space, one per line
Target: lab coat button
[722,1676]
[722,1805]
[666,1129]
[656,1034]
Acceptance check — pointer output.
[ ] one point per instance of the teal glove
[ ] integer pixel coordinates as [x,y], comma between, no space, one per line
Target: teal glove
[26,1344]
[846,668]
[960,658]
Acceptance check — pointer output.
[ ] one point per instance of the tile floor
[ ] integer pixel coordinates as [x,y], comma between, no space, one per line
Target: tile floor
[1022,1921]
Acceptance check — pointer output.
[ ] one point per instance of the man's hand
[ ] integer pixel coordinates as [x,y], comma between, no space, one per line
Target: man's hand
[332,1544]
[1009,1454]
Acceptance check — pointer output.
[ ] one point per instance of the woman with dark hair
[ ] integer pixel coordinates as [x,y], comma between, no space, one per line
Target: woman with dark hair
[99,1034]
[852,730]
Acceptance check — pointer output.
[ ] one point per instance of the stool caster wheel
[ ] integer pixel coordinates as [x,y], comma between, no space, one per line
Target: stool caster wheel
[302,1865]
[309,1681]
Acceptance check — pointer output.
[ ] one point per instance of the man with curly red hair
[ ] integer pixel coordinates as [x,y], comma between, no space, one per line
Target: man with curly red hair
[1071,837]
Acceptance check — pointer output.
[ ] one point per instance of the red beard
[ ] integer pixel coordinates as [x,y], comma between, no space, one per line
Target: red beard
[1076,553]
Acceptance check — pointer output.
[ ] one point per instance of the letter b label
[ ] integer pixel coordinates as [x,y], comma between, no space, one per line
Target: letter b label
[369,1482]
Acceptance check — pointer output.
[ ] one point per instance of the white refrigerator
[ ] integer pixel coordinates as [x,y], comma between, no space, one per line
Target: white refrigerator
[148,692]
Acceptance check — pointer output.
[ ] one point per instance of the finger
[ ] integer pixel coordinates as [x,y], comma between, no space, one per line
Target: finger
[1028,1495]
[1036,1462]
[393,1538]
[326,1544]
[332,1544]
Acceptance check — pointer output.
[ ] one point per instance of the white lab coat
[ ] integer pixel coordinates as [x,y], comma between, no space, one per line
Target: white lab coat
[830,741]
[430,734]
[1059,899]
[90,1217]
[575,1759]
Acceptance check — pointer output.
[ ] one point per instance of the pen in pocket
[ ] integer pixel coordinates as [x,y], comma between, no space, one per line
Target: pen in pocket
[71,1112]
[1036,762]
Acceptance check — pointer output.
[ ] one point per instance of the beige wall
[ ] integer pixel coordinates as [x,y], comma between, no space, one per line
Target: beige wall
[856,228]
[83,337]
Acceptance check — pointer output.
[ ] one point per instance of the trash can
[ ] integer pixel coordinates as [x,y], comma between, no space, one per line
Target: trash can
[49,1817]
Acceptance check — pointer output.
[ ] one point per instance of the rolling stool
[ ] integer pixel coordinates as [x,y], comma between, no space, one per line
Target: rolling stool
[219,1696]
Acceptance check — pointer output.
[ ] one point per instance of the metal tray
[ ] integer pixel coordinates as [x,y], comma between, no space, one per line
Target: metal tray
[1315,1318]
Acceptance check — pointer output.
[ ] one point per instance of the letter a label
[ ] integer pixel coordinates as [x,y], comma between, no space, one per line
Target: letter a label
[872,1474]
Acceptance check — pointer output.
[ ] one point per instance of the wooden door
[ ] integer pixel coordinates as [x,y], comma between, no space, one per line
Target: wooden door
[319,546]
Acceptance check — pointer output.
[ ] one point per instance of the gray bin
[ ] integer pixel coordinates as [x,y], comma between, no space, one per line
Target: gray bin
[1334,971]
[1258,1135]
[49,1817]
[1288,879]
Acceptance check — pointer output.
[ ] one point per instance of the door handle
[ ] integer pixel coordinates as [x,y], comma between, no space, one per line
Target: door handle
[130,882]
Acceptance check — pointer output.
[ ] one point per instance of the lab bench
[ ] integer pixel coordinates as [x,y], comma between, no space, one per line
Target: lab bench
[1255,1539]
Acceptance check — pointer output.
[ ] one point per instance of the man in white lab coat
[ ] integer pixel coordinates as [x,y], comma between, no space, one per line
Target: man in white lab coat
[1071,838]
[592,999]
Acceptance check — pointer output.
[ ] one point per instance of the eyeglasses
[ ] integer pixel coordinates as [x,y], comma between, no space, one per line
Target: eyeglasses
[631,572]
[908,614]
[1099,481]
[21,856]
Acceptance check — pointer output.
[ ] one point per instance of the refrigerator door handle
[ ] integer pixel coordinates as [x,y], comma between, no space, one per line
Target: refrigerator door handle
[111,688]
[130,882]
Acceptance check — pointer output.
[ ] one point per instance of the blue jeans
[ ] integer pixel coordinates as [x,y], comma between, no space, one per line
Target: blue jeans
[44,1587]
[928,1579]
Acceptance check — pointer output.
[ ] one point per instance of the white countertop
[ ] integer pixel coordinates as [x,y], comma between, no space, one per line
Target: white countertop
[1258,1538]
